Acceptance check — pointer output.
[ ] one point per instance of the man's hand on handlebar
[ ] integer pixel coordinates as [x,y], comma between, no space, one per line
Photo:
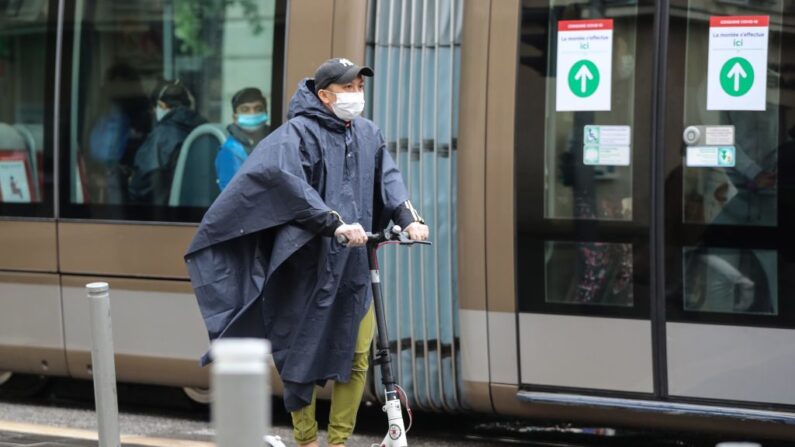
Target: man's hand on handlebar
[354,235]
[417,231]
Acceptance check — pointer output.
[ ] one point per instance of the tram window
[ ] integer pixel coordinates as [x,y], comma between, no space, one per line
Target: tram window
[589,273]
[746,194]
[25,80]
[151,90]
[576,188]
[729,280]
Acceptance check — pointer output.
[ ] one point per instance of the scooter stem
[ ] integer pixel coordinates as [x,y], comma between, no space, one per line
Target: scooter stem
[382,355]
[396,433]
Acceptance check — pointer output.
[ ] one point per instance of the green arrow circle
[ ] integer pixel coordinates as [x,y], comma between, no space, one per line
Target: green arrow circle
[737,76]
[583,78]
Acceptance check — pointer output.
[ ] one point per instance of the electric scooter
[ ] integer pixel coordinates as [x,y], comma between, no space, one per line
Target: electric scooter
[396,432]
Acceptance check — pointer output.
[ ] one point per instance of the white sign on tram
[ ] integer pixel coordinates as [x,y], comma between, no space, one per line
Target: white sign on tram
[606,145]
[584,68]
[737,69]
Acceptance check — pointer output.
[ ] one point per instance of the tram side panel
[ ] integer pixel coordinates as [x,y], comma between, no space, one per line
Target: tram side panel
[31,331]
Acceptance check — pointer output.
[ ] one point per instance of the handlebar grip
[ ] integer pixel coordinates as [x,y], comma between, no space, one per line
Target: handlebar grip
[342,239]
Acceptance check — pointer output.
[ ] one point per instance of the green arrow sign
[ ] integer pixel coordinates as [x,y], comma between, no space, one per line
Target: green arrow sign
[736,76]
[583,78]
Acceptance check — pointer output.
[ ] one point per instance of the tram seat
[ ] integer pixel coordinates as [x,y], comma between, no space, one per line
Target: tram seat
[11,138]
[194,177]
[14,146]
[33,133]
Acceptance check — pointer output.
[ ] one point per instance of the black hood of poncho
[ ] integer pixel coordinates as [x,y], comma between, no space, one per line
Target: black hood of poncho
[306,103]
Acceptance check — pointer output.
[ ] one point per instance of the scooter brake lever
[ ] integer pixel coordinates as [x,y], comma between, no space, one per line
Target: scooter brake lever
[403,239]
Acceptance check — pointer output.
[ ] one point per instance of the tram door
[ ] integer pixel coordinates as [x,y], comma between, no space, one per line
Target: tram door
[653,211]
[583,192]
[730,171]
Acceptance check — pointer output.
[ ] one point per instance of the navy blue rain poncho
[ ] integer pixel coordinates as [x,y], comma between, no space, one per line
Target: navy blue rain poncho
[258,273]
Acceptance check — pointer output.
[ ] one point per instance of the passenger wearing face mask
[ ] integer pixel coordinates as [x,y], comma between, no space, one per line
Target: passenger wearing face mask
[250,114]
[326,172]
[156,159]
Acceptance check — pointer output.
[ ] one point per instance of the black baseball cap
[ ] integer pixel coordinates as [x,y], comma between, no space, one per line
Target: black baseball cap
[338,71]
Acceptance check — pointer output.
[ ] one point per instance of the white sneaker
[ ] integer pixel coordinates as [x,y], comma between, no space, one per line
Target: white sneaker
[274,441]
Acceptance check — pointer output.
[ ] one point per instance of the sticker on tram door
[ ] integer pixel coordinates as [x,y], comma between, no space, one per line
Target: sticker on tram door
[711,157]
[737,67]
[584,65]
[606,145]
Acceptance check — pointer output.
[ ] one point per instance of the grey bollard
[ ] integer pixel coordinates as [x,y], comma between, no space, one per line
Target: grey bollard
[240,392]
[103,366]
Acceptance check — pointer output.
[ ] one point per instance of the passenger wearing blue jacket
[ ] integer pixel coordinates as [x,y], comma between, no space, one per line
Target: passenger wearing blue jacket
[250,114]
[265,261]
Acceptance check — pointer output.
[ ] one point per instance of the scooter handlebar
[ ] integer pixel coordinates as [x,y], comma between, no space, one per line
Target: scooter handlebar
[395,233]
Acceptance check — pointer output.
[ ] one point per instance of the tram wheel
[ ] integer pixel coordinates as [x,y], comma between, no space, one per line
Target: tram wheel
[21,385]
[199,395]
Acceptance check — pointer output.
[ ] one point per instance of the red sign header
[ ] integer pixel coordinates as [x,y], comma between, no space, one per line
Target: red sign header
[739,21]
[585,25]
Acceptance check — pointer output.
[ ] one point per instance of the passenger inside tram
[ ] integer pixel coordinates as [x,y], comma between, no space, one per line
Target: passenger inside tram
[120,122]
[120,154]
[156,159]
[249,127]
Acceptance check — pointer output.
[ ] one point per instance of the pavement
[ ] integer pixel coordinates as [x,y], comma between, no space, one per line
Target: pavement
[44,424]
[154,416]
[44,436]
[10,439]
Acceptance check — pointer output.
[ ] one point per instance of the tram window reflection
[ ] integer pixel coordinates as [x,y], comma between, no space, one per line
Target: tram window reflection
[746,194]
[589,273]
[23,56]
[575,189]
[151,93]
[728,280]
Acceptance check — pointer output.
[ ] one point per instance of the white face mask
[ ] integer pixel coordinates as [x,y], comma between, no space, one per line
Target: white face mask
[348,105]
[160,112]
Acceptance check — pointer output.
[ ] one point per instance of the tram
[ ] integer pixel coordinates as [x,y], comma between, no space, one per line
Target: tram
[607,184]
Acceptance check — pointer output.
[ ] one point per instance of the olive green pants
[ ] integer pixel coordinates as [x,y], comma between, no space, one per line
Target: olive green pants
[345,397]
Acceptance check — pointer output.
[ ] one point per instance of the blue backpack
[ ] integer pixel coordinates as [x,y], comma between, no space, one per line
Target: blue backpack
[108,137]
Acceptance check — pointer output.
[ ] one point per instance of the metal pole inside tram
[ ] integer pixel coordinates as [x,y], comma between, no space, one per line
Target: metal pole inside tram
[102,364]
[240,392]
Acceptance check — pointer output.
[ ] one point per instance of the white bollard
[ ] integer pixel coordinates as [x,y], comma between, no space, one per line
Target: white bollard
[102,365]
[240,392]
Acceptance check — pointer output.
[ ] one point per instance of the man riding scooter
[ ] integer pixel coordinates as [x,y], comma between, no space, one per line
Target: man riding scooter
[265,261]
